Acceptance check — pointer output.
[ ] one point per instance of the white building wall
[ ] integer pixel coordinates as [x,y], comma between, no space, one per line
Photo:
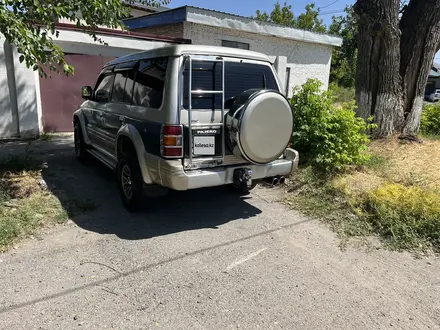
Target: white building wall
[27,105]
[81,43]
[7,127]
[18,102]
[305,60]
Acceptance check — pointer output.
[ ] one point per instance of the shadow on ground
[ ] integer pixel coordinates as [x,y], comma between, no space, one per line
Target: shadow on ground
[90,192]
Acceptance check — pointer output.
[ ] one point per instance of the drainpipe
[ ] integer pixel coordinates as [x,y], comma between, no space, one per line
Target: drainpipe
[281,66]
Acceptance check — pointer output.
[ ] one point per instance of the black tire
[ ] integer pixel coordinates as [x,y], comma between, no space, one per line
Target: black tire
[80,146]
[130,182]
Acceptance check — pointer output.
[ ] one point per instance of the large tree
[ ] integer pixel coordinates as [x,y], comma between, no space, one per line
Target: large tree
[31,25]
[396,48]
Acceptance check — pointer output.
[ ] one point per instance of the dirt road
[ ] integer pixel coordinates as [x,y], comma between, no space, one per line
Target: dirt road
[203,260]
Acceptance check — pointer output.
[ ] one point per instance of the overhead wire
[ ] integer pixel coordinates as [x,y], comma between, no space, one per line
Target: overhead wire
[329,4]
[333,12]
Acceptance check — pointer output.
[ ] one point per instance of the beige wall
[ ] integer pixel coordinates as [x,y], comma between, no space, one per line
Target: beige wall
[305,60]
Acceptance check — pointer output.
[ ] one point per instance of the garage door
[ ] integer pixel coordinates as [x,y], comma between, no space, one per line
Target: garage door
[61,95]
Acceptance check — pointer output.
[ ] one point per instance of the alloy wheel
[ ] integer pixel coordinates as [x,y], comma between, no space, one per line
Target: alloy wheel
[127,186]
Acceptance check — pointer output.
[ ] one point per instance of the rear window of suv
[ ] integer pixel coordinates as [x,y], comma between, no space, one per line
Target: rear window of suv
[239,77]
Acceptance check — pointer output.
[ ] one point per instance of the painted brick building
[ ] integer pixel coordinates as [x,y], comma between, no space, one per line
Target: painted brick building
[299,54]
[30,105]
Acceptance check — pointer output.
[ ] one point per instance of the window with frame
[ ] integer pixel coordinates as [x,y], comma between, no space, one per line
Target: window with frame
[239,77]
[235,44]
[150,83]
[129,85]
[119,87]
[104,87]
[123,86]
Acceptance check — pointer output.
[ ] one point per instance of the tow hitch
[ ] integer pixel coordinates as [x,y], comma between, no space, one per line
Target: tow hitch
[242,177]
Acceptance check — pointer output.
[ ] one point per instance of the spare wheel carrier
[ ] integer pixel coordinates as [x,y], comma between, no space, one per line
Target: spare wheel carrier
[260,125]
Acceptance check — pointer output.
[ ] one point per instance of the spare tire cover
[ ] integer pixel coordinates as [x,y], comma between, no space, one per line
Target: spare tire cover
[260,124]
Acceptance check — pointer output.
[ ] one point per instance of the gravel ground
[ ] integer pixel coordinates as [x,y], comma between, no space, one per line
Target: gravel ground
[202,260]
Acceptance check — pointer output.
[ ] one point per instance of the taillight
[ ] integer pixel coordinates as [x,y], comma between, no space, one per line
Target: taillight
[171,140]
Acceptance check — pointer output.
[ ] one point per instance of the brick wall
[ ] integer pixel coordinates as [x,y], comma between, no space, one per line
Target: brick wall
[167,30]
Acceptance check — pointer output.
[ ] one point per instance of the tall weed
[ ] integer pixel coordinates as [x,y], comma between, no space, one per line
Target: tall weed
[430,121]
[327,136]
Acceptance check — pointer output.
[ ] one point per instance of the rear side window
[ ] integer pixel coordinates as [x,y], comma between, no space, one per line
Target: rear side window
[239,77]
[119,87]
[123,86]
[150,82]
[129,84]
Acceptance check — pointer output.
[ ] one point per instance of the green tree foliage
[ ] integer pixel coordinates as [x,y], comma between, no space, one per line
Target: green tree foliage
[279,15]
[31,26]
[327,136]
[310,20]
[343,69]
[284,15]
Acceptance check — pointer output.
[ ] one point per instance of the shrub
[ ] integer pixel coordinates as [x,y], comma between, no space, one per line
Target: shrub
[327,136]
[409,216]
[341,94]
[430,122]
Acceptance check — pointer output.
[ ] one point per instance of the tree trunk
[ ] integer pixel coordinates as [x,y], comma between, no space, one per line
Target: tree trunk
[378,83]
[420,27]
[394,62]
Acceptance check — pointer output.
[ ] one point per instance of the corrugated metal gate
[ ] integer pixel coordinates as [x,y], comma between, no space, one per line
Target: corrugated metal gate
[61,95]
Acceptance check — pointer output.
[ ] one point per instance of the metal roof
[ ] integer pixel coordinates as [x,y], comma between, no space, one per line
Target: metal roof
[141,6]
[178,50]
[229,21]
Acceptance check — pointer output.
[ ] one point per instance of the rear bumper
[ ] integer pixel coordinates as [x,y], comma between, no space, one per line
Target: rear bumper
[172,175]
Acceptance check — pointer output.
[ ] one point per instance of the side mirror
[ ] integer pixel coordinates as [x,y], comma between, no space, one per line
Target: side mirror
[86,92]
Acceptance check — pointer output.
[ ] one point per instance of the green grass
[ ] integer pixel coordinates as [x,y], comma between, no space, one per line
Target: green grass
[408,216]
[25,206]
[377,163]
[385,198]
[28,215]
[315,196]
[431,137]
[45,137]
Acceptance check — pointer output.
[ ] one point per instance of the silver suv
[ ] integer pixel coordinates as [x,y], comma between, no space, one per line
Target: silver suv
[434,96]
[186,117]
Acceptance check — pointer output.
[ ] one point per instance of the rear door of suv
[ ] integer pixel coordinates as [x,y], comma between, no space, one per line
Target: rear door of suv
[203,147]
